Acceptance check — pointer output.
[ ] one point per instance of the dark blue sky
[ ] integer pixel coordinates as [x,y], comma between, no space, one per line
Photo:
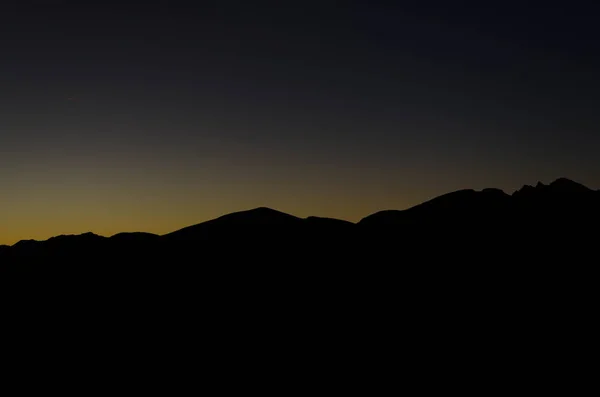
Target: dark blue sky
[151,116]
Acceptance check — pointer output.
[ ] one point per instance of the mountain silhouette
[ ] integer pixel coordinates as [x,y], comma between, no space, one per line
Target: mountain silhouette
[484,269]
[561,186]
[465,223]
[255,223]
[458,206]
[251,221]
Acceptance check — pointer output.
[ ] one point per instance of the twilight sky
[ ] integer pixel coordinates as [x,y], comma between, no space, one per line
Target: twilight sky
[151,116]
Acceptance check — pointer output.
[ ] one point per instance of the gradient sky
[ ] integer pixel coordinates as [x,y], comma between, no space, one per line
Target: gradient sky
[151,116]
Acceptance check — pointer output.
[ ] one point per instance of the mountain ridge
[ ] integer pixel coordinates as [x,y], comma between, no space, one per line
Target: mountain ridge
[465,244]
[265,215]
[450,262]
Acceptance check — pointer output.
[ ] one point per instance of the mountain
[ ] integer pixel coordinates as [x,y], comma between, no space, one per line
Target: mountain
[479,269]
[258,223]
[491,205]
[263,220]
[466,224]
[266,234]
[450,209]
[560,187]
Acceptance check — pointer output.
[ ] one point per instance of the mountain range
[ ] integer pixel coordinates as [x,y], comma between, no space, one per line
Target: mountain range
[557,217]
[477,269]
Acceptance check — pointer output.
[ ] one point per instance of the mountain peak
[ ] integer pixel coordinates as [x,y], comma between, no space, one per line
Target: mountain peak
[560,185]
[259,212]
[262,210]
[568,186]
[259,217]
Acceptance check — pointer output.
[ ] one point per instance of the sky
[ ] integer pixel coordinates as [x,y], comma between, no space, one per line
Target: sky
[151,116]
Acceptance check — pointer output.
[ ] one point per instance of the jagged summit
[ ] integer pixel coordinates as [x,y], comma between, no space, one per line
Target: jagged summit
[558,186]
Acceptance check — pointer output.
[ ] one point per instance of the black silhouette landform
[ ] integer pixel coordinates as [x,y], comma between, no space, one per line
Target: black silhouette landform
[556,221]
[469,273]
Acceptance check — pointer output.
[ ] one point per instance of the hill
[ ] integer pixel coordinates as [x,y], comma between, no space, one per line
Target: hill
[490,223]
[466,271]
